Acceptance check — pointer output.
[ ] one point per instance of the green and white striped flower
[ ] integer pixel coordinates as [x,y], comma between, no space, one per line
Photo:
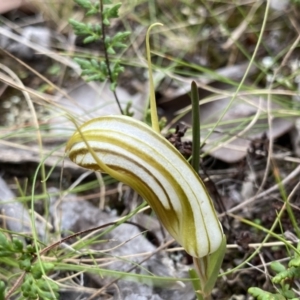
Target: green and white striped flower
[135,154]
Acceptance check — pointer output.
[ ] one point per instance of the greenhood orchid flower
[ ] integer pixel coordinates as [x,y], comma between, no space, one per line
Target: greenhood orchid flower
[138,156]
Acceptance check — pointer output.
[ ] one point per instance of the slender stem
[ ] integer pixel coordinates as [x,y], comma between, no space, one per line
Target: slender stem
[200,264]
[15,286]
[154,117]
[195,127]
[196,283]
[107,62]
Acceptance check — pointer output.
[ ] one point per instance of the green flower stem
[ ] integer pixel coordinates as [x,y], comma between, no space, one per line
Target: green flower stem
[196,283]
[200,264]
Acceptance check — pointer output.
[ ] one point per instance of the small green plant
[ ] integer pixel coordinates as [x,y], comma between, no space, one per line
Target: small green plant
[34,285]
[170,185]
[284,280]
[94,69]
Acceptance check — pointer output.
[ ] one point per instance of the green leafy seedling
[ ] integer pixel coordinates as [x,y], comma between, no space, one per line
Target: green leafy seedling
[92,68]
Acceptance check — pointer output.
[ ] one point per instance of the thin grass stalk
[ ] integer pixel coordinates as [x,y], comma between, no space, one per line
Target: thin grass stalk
[154,118]
[195,127]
